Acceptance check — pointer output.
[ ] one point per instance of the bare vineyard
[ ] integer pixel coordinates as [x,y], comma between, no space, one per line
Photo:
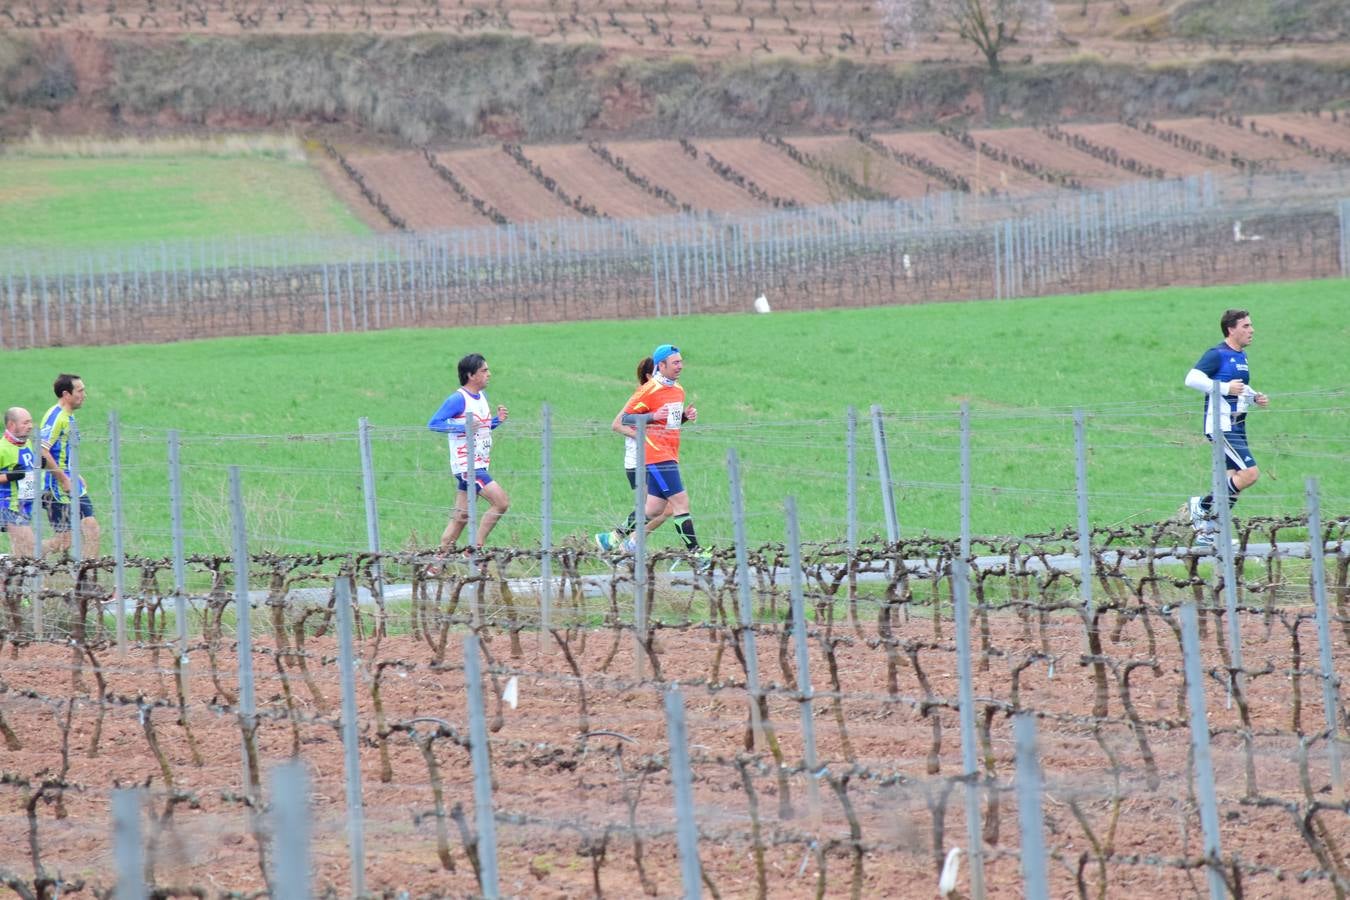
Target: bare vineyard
[863,800]
[807,28]
[947,247]
[787,173]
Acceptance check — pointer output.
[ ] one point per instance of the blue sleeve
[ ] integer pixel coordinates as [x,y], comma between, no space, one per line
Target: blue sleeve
[1210,363]
[440,419]
[496,421]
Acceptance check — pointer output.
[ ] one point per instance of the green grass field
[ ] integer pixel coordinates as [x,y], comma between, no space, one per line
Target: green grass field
[108,202]
[776,388]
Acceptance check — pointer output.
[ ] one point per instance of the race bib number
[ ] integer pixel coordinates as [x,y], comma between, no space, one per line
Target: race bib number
[674,413]
[482,448]
[28,487]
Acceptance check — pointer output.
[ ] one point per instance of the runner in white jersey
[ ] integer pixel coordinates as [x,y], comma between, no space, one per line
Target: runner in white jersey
[450,419]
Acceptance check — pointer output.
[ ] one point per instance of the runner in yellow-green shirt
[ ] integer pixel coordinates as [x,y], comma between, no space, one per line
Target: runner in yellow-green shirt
[58,432]
[19,476]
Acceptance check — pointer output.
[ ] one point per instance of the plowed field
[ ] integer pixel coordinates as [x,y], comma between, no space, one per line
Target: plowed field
[419,196]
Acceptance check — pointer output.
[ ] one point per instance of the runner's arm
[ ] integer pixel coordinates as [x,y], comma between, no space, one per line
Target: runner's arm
[441,419]
[49,463]
[1201,377]
[620,426]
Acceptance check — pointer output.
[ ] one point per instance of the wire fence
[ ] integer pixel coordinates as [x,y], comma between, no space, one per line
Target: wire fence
[1199,230]
[781,722]
[858,473]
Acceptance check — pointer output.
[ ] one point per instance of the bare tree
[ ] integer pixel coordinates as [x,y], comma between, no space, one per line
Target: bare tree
[991,25]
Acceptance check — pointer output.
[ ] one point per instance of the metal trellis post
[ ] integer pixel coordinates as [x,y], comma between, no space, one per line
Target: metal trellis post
[884,474]
[686,828]
[356,827]
[746,608]
[1331,703]
[546,525]
[482,770]
[961,589]
[1030,817]
[1204,766]
[799,638]
[372,507]
[290,830]
[119,539]
[242,604]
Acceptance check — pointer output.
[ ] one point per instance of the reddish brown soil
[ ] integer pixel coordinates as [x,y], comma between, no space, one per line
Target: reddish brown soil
[559,793]
[349,194]
[666,164]
[496,178]
[586,175]
[868,166]
[1272,153]
[1058,157]
[425,202]
[984,174]
[415,194]
[1155,151]
[748,29]
[1331,135]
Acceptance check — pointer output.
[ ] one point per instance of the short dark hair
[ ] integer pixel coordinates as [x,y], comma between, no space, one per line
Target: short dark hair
[1230,320]
[468,365]
[645,370]
[64,384]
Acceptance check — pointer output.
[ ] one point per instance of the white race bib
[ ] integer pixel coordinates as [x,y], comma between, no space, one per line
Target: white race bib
[28,487]
[674,413]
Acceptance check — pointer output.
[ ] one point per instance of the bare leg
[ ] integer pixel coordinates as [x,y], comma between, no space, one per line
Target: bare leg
[91,533]
[678,505]
[56,544]
[21,542]
[458,519]
[498,502]
[657,511]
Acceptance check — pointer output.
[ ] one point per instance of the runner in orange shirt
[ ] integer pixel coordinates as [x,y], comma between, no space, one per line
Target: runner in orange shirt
[610,540]
[660,403]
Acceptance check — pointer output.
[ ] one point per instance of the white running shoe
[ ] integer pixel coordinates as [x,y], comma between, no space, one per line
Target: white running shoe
[1196,512]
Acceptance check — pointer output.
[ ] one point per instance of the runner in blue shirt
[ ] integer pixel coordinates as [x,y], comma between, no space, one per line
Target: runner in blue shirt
[1226,363]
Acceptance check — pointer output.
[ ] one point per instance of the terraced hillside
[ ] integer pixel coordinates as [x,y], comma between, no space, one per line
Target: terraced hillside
[510,183]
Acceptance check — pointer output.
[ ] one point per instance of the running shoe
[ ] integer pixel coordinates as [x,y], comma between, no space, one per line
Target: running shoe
[607,540]
[697,561]
[1196,513]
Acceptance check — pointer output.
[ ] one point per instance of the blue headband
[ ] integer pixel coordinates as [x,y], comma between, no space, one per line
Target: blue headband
[664,352]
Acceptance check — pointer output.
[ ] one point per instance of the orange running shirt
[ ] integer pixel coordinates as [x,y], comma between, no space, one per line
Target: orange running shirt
[663,435]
